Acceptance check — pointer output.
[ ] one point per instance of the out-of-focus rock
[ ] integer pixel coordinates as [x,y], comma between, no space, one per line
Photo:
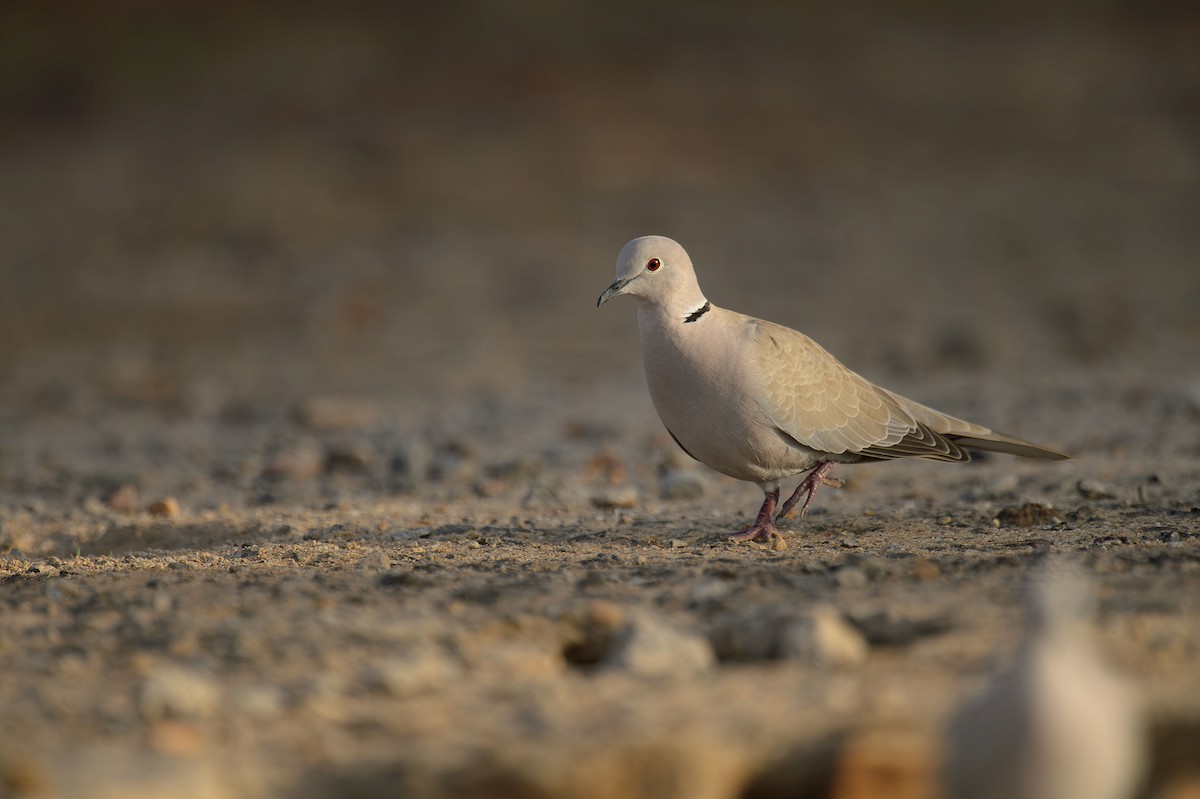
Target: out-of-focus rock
[1031,514]
[747,636]
[410,464]
[1094,489]
[453,462]
[299,462]
[351,457]
[519,659]
[167,507]
[511,470]
[608,467]
[330,414]
[1056,723]
[682,484]
[623,497]
[592,632]
[588,430]
[175,738]
[123,498]
[260,701]
[649,646]
[422,668]
[823,637]
[896,763]
[501,476]
[1187,398]
[850,577]
[897,628]
[376,561]
[926,569]
[1004,484]
[172,692]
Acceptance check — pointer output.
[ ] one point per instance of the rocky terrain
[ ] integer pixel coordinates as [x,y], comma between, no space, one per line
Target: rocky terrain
[320,474]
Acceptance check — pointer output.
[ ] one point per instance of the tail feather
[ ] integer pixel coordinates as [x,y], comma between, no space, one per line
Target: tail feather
[974,436]
[998,442]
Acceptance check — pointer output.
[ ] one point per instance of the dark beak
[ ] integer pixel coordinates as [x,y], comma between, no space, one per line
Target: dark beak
[617,287]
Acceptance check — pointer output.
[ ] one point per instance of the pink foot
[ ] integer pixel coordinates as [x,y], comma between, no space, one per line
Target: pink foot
[814,480]
[763,527]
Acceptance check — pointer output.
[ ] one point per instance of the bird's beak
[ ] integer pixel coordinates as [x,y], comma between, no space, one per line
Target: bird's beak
[617,287]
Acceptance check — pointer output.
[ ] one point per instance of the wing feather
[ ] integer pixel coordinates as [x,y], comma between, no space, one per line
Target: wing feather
[815,401]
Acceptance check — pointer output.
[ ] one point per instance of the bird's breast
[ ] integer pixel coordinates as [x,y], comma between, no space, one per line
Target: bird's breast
[708,396]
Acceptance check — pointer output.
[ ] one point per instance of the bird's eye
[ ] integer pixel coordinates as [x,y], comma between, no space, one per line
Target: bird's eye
[653,264]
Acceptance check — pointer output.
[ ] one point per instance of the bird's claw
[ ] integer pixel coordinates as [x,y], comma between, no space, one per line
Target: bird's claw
[767,532]
[808,486]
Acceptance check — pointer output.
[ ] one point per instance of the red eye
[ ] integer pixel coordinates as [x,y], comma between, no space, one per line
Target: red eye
[653,264]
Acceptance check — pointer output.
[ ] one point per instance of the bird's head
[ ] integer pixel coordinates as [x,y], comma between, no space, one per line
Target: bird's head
[656,271]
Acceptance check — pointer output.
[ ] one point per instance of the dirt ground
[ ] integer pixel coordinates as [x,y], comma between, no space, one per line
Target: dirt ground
[321,475]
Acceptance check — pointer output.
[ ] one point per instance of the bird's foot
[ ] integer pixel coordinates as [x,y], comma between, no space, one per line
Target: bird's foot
[808,486]
[767,531]
[763,527]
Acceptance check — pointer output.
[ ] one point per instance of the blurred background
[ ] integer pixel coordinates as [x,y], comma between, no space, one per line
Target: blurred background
[303,386]
[203,202]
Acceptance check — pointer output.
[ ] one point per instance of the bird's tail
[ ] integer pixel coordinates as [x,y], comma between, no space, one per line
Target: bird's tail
[974,436]
[999,442]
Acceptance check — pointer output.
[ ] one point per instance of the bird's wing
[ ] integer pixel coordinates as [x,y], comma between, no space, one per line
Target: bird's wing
[816,401]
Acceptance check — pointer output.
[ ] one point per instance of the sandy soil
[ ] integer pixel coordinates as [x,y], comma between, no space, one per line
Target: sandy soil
[321,475]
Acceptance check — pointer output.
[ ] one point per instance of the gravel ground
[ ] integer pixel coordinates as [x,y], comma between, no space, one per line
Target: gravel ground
[320,475]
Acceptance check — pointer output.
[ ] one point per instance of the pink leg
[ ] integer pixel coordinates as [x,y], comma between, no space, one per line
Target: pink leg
[763,527]
[814,480]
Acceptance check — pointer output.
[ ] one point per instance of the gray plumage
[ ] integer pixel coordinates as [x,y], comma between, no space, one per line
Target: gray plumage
[760,402]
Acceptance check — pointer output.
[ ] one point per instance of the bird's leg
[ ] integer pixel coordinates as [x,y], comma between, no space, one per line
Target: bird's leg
[763,527]
[811,482]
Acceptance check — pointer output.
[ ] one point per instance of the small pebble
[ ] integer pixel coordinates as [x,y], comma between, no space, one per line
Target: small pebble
[167,507]
[925,569]
[173,692]
[824,638]
[175,738]
[682,484]
[352,457]
[608,467]
[850,577]
[893,627]
[1031,514]
[1005,484]
[410,464]
[259,701]
[423,667]
[1094,489]
[123,498]
[376,561]
[749,635]
[624,497]
[649,646]
[710,589]
[454,462]
[301,461]
[337,413]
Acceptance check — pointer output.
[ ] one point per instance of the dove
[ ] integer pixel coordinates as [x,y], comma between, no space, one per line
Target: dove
[1056,722]
[761,402]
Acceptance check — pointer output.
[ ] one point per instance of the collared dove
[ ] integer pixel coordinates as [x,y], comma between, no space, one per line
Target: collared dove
[1056,723]
[760,402]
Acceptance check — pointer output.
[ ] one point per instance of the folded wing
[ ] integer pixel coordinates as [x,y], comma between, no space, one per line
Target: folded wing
[814,400]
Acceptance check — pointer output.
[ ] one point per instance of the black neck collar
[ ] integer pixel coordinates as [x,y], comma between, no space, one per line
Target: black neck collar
[696,314]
